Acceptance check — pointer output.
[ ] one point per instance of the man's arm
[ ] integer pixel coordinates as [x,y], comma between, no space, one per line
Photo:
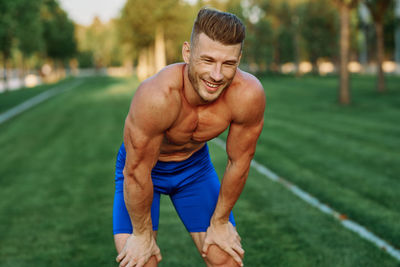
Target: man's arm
[149,116]
[241,145]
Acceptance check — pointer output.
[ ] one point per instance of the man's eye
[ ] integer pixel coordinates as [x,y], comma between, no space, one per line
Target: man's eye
[230,64]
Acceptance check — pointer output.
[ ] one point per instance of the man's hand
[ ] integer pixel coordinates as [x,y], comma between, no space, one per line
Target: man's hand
[226,237]
[138,250]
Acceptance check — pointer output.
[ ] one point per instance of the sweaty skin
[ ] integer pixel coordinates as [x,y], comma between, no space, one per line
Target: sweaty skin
[171,117]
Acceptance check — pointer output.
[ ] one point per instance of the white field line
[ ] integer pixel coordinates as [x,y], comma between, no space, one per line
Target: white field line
[36,100]
[347,223]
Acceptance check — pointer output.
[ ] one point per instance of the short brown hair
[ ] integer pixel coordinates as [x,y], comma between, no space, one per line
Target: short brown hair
[219,26]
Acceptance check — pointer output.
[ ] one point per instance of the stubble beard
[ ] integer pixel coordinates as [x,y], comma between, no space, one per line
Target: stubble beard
[195,81]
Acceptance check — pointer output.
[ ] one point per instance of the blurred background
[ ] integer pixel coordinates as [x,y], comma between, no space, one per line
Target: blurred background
[330,70]
[46,40]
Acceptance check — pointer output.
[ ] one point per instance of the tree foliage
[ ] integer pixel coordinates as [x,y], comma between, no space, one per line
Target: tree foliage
[30,29]
[20,28]
[140,19]
[259,45]
[344,8]
[39,26]
[58,31]
[8,25]
[319,29]
[378,10]
[278,31]
[98,44]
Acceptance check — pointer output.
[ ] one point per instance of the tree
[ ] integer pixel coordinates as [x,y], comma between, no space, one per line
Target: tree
[397,33]
[319,30]
[365,20]
[58,32]
[258,50]
[28,27]
[378,9]
[20,28]
[29,31]
[8,26]
[146,25]
[285,34]
[98,44]
[345,6]
[270,34]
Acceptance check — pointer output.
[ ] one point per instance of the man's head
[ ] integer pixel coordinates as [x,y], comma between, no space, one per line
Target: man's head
[214,53]
[219,26]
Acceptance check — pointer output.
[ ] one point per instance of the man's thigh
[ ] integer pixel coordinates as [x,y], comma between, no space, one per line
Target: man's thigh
[196,199]
[121,219]
[195,204]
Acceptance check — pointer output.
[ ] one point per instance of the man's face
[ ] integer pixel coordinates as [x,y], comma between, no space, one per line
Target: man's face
[212,66]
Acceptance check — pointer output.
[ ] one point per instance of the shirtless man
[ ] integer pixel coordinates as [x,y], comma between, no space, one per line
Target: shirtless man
[172,116]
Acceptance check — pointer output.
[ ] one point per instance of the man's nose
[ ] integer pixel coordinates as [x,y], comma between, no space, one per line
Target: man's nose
[216,73]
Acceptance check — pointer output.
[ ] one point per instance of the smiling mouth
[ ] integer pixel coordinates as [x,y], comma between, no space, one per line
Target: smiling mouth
[211,86]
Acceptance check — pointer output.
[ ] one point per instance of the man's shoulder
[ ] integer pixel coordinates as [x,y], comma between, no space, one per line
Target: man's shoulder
[169,78]
[246,97]
[158,98]
[164,86]
[246,88]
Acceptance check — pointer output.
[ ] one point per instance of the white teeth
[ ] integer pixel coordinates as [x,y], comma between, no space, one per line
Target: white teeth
[212,85]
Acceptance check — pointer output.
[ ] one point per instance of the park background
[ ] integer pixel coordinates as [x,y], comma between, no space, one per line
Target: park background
[330,71]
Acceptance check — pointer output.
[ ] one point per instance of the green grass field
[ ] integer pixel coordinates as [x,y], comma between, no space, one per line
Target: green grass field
[56,177]
[10,99]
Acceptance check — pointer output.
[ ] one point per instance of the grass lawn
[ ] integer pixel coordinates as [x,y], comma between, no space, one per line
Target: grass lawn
[56,177]
[10,99]
[348,157]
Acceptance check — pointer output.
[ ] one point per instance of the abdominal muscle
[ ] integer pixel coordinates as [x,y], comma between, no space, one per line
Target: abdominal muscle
[171,152]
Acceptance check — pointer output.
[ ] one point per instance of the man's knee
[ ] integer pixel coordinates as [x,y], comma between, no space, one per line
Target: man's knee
[216,257]
[152,262]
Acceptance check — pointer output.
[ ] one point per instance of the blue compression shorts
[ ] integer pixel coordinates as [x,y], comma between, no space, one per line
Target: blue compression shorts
[192,185]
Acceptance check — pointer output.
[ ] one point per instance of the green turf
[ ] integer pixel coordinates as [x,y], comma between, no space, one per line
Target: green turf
[56,178]
[10,99]
[346,156]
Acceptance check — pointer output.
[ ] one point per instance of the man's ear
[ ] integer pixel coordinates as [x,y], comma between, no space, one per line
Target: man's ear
[186,52]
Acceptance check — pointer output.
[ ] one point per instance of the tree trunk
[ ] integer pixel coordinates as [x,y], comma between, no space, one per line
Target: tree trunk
[21,71]
[297,52]
[363,47]
[296,43]
[276,62]
[344,90]
[151,61]
[363,44]
[397,35]
[160,58]
[315,70]
[397,44]
[146,64]
[142,68]
[380,54]
[5,78]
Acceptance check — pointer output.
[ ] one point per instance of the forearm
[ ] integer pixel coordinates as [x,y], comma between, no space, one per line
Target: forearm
[138,199]
[231,187]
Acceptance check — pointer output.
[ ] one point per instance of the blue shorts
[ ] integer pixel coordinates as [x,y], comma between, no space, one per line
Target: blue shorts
[192,185]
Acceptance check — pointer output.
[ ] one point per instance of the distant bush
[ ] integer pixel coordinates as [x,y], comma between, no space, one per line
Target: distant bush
[85,59]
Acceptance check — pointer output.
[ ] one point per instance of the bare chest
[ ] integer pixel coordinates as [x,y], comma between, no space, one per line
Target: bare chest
[198,125]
